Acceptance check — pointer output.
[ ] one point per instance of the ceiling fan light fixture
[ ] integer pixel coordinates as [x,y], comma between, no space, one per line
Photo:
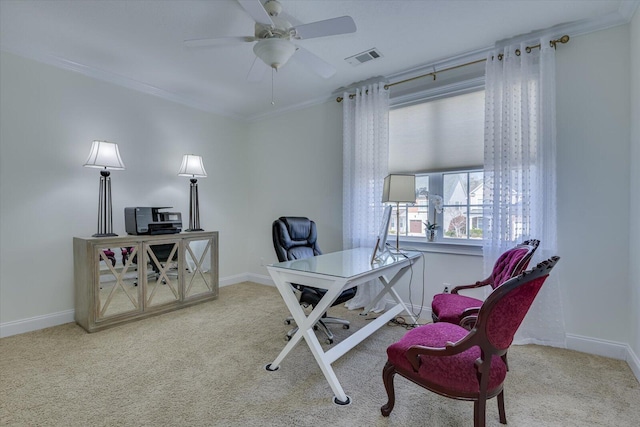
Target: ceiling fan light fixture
[274,52]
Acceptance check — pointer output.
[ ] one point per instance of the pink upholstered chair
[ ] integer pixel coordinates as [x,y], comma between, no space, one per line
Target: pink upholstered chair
[451,361]
[453,307]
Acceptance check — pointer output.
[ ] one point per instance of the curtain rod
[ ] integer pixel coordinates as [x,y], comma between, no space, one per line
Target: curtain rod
[564,39]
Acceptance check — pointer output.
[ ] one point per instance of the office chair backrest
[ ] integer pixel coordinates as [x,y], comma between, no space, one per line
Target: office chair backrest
[295,238]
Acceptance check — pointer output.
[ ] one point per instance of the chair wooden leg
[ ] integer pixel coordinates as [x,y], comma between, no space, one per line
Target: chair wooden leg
[479,412]
[388,374]
[503,416]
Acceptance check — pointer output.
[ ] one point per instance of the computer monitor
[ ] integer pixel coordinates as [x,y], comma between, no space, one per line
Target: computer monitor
[381,245]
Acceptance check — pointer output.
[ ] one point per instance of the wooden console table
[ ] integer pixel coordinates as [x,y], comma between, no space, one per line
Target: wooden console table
[155,275]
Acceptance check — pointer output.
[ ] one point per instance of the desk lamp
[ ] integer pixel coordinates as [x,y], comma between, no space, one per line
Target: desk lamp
[193,167]
[398,189]
[104,155]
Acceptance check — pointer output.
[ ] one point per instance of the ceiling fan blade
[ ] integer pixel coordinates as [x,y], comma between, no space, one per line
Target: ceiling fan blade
[317,65]
[217,41]
[255,9]
[257,70]
[291,19]
[328,27]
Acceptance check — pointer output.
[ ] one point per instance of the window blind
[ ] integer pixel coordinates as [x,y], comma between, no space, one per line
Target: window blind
[442,134]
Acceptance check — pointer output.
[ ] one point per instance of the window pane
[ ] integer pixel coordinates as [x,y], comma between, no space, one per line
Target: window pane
[455,222]
[422,189]
[455,188]
[476,185]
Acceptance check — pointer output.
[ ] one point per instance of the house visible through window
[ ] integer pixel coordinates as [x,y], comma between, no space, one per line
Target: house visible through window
[441,141]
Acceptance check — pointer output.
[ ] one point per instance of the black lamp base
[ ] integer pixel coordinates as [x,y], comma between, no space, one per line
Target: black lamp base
[104,235]
[194,208]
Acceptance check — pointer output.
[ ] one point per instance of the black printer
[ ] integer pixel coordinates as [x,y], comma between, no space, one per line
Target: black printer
[142,220]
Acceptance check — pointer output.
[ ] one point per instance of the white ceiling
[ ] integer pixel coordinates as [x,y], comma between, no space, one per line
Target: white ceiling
[139,43]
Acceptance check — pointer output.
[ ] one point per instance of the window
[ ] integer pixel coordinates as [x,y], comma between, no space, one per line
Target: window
[441,141]
[461,217]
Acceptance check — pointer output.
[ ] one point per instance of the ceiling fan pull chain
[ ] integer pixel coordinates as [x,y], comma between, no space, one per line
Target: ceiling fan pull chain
[273,70]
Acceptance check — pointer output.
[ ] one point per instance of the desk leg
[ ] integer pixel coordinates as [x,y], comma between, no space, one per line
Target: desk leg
[305,330]
[340,397]
[388,289]
[303,321]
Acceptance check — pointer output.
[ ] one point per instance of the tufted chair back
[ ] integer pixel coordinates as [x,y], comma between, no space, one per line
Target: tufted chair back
[457,308]
[509,264]
[295,238]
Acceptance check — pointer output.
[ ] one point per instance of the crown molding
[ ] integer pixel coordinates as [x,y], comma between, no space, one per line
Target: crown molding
[628,8]
[117,80]
[622,16]
[577,28]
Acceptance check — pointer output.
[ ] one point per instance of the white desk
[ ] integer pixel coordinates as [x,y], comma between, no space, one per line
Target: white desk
[336,272]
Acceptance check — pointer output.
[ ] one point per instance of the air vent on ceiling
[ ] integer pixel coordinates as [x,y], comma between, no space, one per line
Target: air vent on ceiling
[362,57]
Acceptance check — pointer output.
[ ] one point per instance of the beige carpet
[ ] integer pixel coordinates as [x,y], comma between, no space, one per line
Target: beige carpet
[203,366]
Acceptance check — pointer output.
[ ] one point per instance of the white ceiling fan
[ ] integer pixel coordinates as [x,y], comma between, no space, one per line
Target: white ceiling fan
[274,35]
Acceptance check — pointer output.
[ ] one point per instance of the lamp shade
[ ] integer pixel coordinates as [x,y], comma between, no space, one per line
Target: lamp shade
[274,52]
[399,189]
[192,166]
[105,155]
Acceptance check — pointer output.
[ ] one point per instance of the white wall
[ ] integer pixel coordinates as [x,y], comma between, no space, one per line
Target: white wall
[634,194]
[296,170]
[593,183]
[48,118]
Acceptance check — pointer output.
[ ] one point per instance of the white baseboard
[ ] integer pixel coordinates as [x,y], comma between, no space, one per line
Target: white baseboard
[634,363]
[35,323]
[232,280]
[612,349]
[260,278]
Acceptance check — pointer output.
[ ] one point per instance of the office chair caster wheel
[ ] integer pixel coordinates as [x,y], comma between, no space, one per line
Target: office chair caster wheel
[287,338]
[315,327]
[345,326]
[287,322]
[329,341]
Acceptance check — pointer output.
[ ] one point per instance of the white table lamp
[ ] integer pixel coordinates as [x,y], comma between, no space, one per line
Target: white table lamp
[193,167]
[399,188]
[104,155]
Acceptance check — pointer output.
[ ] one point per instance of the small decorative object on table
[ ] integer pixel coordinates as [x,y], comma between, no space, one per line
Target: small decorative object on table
[431,227]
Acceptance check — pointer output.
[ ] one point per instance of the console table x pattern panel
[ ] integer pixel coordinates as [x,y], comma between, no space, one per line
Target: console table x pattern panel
[337,272]
[120,279]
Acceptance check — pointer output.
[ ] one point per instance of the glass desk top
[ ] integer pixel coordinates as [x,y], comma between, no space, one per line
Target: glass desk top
[349,263]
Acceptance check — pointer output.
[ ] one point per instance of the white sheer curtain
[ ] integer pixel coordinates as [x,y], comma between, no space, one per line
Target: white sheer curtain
[365,164]
[520,173]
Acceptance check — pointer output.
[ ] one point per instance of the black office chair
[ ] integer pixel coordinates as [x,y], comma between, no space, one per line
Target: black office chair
[162,253]
[297,238]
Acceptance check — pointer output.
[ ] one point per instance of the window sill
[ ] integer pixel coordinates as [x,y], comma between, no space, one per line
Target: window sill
[422,245]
